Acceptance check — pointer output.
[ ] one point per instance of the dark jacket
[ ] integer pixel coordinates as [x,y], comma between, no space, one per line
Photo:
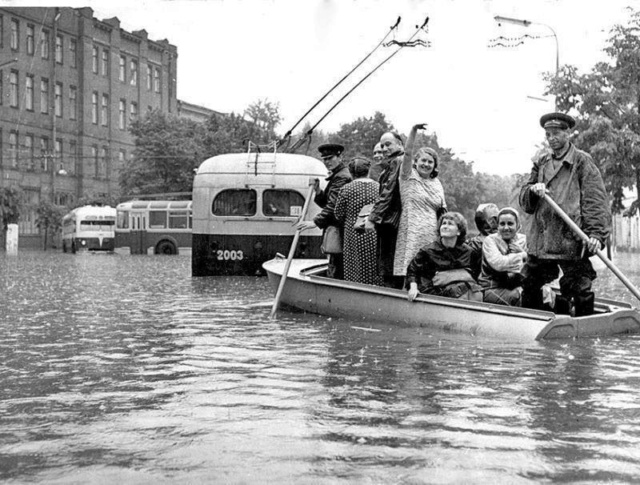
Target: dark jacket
[433,258]
[387,208]
[327,198]
[577,187]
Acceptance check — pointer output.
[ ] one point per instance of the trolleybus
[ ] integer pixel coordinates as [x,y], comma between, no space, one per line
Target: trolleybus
[154,227]
[89,228]
[245,206]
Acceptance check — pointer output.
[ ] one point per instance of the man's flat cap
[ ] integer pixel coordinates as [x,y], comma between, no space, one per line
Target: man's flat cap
[557,120]
[330,149]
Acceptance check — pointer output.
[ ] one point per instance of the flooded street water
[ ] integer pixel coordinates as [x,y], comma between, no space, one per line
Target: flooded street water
[124,369]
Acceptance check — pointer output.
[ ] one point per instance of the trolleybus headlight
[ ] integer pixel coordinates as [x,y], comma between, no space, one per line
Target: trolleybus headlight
[84,243]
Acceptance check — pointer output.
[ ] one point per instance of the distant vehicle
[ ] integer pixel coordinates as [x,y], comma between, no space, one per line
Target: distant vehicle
[245,206]
[89,228]
[153,227]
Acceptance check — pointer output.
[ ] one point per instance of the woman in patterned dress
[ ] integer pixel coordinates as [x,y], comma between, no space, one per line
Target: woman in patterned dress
[423,201]
[359,252]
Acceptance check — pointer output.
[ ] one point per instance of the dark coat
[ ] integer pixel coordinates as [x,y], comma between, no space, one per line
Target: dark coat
[433,258]
[387,208]
[578,188]
[327,198]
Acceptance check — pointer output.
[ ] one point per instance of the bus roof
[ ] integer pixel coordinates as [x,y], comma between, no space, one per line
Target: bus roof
[263,163]
[154,204]
[92,210]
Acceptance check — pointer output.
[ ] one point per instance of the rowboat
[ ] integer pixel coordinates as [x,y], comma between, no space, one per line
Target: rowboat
[307,289]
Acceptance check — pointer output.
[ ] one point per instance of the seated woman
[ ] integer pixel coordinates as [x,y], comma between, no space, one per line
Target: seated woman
[442,267]
[503,255]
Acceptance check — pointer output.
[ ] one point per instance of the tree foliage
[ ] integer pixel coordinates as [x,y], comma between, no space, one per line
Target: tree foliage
[11,204]
[49,219]
[607,103]
[360,136]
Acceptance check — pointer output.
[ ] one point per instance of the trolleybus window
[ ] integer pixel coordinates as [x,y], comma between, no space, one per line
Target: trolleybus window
[178,220]
[157,219]
[241,202]
[100,225]
[282,203]
[122,221]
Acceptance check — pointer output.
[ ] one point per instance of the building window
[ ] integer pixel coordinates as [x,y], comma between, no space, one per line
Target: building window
[148,77]
[122,110]
[13,149]
[28,148]
[73,157]
[44,44]
[102,170]
[31,40]
[73,102]
[44,95]
[28,98]
[104,65]
[15,34]
[13,89]
[57,155]
[94,157]
[104,110]
[94,60]
[44,153]
[122,74]
[122,156]
[134,72]
[133,110]
[73,52]
[94,108]
[156,80]
[59,44]
[57,99]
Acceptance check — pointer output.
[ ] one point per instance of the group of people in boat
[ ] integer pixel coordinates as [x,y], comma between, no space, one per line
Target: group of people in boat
[386,223]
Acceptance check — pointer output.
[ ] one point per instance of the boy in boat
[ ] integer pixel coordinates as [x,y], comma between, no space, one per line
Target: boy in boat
[570,177]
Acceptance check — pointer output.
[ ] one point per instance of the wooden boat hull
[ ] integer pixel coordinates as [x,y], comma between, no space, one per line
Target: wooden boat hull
[305,289]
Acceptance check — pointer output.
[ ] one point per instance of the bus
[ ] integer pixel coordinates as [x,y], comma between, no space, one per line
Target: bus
[89,228]
[154,227]
[245,206]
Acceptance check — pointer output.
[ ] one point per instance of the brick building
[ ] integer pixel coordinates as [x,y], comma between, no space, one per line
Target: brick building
[70,84]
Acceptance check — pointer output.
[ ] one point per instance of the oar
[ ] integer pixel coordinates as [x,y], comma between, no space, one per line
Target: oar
[599,252]
[292,250]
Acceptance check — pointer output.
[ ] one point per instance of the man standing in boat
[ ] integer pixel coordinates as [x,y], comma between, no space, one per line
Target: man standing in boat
[339,176]
[570,177]
[385,215]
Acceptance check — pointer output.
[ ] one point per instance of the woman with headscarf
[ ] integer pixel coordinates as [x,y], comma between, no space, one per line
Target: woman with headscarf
[359,248]
[503,256]
[443,267]
[422,199]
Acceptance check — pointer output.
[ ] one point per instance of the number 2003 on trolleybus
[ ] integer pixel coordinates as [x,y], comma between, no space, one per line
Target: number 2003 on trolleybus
[154,227]
[245,207]
[89,228]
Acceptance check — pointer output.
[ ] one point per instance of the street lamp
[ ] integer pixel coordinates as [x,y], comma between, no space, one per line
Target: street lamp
[527,23]
[15,59]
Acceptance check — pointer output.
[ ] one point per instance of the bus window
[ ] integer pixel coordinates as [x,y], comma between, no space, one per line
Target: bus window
[123,220]
[99,225]
[178,220]
[282,203]
[157,219]
[230,202]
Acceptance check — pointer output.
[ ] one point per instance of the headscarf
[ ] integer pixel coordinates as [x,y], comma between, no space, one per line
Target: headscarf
[513,212]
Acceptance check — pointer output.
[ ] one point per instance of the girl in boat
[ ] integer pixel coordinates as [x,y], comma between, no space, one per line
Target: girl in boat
[503,256]
[422,199]
[443,267]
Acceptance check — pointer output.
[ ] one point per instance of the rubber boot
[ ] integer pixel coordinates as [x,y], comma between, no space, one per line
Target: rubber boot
[563,305]
[584,304]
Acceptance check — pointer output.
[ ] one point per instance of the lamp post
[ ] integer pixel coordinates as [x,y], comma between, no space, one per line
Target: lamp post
[527,23]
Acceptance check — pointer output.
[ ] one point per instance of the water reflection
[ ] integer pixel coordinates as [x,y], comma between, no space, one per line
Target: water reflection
[126,369]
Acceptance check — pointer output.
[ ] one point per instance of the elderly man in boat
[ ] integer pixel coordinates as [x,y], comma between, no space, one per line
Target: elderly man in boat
[569,177]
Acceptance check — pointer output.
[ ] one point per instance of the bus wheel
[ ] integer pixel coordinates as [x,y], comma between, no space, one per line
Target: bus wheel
[166,247]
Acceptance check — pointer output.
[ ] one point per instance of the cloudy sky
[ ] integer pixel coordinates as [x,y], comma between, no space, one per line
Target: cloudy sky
[483,102]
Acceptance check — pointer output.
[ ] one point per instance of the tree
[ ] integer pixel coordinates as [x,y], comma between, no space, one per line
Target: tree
[607,103]
[167,150]
[49,219]
[265,115]
[11,204]
[360,136]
